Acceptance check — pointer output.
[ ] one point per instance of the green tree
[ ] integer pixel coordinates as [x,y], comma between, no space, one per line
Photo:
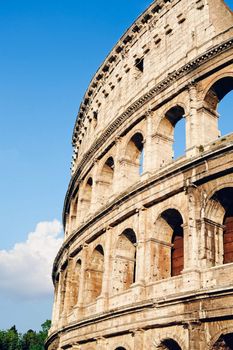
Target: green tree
[12,340]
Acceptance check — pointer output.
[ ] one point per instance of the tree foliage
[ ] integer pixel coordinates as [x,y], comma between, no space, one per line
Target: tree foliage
[10,339]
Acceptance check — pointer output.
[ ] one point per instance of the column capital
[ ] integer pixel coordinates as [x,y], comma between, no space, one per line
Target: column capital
[84,246]
[136,331]
[141,209]
[108,228]
[118,139]
[148,112]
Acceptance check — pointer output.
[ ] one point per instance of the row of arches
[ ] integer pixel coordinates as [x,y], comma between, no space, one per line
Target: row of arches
[87,278]
[118,170]
[168,253]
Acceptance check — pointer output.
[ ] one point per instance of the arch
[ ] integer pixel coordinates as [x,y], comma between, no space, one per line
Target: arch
[169,255]
[73,211]
[169,344]
[75,283]
[215,93]
[120,348]
[105,183]
[224,342]
[219,225]
[124,266]
[165,134]
[134,156]
[218,89]
[86,198]
[94,274]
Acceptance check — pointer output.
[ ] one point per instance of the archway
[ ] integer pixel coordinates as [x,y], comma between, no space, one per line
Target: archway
[219,213]
[85,199]
[225,342]
[171,135]
[75,283]
[134,157]
[218,101]
[105,182]
[124,267]
[170,253]
[94,274]
[169,344]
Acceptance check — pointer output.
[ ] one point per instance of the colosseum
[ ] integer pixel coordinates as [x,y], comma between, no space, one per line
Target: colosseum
[147,258]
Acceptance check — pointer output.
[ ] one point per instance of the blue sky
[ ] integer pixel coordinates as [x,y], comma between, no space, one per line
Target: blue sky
[49,51]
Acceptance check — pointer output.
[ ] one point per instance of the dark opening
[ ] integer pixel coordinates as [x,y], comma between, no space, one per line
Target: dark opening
[225,342]
[139,64]
[225,198]
[174,219]
[175,115]
[171,344]
[110,162]
[99,249]
[90,182]
[129,233]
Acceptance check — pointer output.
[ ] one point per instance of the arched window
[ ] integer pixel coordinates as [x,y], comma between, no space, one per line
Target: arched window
[88,190]
[94,274]
[135,157]
[169,344]
[170,253]
[124,267]
[85,199]
[75,283]
[171,136]
[120,348]
[105,183]
[73,213]
[218,100]
[225,342]
[220,212]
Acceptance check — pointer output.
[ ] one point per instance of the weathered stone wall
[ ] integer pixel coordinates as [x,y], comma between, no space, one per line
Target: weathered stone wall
[147,260]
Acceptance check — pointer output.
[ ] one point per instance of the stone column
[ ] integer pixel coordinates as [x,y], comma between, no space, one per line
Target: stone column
[80,214]
[138,335]
[95,193]
[102,300]
[101,343]
[148,165]
[141,234]
[117,178]
[55,314]
[81,292]
[191,231]
[197,336]
[68,287]
[192,131]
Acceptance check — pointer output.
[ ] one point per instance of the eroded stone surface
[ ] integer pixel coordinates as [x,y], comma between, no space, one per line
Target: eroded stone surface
[147,260]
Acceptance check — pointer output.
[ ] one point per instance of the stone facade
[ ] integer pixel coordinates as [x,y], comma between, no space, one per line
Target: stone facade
[147,260]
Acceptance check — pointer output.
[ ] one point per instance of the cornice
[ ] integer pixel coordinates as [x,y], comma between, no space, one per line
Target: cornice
[137,105]
[127,39]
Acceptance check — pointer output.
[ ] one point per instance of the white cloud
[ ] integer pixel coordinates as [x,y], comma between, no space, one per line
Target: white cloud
[25,270]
